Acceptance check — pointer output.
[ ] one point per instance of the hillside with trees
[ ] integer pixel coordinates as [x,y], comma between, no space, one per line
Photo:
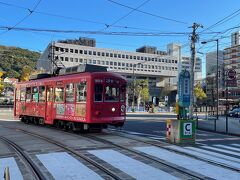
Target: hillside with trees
[14,60]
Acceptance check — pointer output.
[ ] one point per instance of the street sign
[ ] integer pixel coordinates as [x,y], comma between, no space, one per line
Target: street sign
[231,78]
[187,129]
[184,89]
[231,74]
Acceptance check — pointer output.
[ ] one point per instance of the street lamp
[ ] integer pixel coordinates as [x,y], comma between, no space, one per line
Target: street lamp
[217,79]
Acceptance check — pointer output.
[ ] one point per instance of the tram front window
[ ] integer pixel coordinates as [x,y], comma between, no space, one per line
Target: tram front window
[111,94]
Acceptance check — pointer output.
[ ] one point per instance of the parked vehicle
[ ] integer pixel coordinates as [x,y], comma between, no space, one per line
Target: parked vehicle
[234,112]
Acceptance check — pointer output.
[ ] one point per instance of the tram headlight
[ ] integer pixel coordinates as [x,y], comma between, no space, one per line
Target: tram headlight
[113,109]
[122,108]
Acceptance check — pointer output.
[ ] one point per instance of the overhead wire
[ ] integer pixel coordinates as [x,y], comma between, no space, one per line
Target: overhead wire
[24,18]
[147,13]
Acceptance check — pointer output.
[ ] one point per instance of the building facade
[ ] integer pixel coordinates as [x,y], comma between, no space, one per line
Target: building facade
[232,61]
[147,63]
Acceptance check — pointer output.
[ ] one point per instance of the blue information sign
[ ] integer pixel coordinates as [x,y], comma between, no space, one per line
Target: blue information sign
[184,88]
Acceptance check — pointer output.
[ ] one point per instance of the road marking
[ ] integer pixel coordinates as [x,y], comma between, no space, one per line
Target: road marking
[214,154]
[227,147]
[131,166]
[63,166]
[207,156]
[222,150]
[238,145]
[190,163]
[13,168]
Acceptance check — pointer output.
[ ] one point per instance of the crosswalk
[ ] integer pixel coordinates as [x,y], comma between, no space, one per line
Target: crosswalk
[62,165]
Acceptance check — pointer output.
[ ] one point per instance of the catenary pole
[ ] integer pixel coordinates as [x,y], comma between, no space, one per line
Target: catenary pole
[194,39]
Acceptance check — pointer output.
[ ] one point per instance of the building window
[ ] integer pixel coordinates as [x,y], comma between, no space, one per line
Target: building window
[94,61]
[90,61]
[71,50]
[98,62]
[61,58]
[123,56]
[115,63]
[123,64]
[107,54]
[130,57]
[90,52]
[56,48]
[115,55]
[80,60]
[94,53]
[145,58]
[62,49]
[141,58]
[107,62]
[138,58]
[119,55]
[76,59]
[85,51]
[111,63]
[111,54]
[71,59]
[103,54]
[103,62]
[80,51]
[76,51]
[134,57]
[126,56]
[99,53]
[66,49]
[66,58]
[119,64]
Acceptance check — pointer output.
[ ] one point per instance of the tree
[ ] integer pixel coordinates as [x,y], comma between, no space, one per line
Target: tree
[199,93]
[142,91]
[26,72]
[1,81]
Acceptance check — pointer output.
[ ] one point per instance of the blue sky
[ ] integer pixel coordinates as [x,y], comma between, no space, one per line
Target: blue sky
[91,15]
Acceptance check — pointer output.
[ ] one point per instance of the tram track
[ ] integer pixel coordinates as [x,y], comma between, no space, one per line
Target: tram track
[37,173]
[70,150]
[176,151]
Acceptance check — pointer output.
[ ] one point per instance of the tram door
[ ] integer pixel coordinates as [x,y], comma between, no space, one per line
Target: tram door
[49,105]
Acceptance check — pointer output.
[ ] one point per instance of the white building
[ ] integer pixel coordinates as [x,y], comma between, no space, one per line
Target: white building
[155,66]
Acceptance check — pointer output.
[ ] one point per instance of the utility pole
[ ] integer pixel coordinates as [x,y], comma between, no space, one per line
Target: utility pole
[194,39]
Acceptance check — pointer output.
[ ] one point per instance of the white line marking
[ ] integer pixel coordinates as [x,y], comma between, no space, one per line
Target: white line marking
[190,163]
[13,168]
[131,166]
[63,166]
[227,147]
[206,156]
[215,154]
[238,145]
[222,150]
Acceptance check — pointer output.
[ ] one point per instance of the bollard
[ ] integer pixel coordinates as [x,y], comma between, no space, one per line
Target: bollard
[6,174]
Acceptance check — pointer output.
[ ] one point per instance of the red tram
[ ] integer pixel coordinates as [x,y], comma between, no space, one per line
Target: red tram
[80,99]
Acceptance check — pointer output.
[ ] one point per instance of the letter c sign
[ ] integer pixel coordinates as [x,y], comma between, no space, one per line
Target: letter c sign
[187,129]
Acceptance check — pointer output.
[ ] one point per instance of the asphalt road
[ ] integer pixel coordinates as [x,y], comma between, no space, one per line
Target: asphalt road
[154,125]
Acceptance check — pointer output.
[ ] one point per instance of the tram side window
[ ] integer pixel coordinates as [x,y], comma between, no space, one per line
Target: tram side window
[111,94]
[18,94]
[59,94]
[42,92]
[98,92]
[34,94]
[70,92]
[28,94]
[50,94]
[81,92]
[23,94]
[123,91]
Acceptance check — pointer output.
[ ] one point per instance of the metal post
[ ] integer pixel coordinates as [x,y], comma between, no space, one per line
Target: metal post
[217,81]
[194,39]
[227,106]
[133,79]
